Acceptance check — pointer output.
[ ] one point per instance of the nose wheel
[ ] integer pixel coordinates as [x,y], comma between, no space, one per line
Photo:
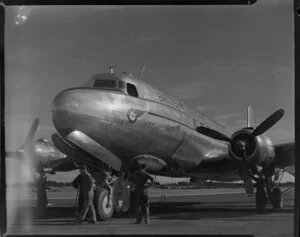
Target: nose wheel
[103,206]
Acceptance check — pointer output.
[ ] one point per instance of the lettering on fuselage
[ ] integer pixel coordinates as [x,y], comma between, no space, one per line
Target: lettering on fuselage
[170,101]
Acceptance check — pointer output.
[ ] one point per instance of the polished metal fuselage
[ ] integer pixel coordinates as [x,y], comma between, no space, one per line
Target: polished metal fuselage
[152,123]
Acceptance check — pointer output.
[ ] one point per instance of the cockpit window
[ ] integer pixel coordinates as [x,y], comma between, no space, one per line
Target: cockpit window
[105,83]
[131,90]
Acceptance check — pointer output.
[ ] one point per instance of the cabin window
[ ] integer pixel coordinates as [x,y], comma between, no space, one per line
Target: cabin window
[131,90]
[105,83]
[121,84]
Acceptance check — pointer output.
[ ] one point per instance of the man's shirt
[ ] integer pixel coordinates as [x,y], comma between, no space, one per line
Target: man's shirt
[84,181]
[140,179]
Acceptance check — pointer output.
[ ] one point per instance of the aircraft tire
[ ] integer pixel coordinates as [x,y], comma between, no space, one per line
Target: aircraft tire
[277,201]
[261,198]
[103,213]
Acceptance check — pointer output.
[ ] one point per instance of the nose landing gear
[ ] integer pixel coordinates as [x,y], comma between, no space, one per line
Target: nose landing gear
[108,200]
[104,207]
[103,198]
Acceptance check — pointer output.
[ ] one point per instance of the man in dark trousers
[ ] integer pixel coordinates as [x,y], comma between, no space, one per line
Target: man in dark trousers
[86,184]
[42,200]
[140,178]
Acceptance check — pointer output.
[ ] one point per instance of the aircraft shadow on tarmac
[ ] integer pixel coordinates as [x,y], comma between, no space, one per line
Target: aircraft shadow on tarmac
[173,211]
[224,212]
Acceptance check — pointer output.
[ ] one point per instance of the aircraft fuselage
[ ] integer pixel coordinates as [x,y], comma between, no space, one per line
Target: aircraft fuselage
[132,124]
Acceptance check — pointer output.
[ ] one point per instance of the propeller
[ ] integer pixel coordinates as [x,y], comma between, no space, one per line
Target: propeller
[268,123]
[260,129]
[26,149]
[241,142]
[212,134]
[25,152]
[32,131]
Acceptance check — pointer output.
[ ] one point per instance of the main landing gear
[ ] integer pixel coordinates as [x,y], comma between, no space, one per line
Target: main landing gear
[267,193]
[41,194]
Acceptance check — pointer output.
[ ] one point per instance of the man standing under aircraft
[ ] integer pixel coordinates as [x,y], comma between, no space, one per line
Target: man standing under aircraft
[140,178]
[86,184]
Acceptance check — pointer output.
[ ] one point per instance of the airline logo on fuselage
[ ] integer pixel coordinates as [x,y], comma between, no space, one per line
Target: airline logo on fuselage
[134,114]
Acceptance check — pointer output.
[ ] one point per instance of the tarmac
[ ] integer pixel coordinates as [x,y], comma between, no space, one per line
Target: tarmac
[173,212]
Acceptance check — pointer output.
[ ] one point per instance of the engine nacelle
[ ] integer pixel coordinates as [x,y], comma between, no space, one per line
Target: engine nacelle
[43,152]
[258,150]
[152,163]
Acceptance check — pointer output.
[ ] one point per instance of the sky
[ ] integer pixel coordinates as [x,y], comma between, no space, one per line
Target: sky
[217,59]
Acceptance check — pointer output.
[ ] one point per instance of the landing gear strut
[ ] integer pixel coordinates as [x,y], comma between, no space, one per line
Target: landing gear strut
[277,201]
[41,192]
[266,193]
[261,199]
[108,200]
[103,198]
[122,194]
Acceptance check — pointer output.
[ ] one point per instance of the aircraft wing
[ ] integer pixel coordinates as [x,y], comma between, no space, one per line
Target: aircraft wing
[284,155]
[221,166]
[284,159]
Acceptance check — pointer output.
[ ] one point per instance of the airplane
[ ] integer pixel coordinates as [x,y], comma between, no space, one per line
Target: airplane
[116,121]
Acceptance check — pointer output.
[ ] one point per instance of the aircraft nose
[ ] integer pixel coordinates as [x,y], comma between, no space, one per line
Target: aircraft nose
[64,101]
[86,109]
[63,106]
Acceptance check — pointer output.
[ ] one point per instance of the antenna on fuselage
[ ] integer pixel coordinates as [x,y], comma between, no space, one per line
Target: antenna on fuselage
[250,118]
[143,68]
[111,69]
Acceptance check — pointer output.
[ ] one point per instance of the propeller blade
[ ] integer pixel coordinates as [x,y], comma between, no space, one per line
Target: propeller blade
[32,132]
[25,151]
[212,134]
[268,123]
